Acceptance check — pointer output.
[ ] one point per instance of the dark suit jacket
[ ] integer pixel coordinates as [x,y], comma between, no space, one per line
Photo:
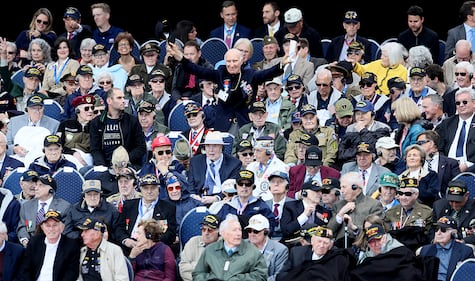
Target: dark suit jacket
[12,254]
[241,31]
[10,163]
[460,252]
[262,30]
[196,177]
[297,177]
[77,39]
[66,262]
[164,212]
[448,168]
[447,130]
[442,208]
[334,49]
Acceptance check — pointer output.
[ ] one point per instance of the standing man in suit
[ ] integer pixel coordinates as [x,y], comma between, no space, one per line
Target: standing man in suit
[147,207]
[230,31]
[35,116]
[51,255]
[445,167]
[460,206]
[337,50]
[312,169]
[366,168]
[462,31]
[350,212]
[11,255]
[445,246]
[31,211]
[458,132]
[275,253]
[208,171]
[270,19]
[278,186]
[75,31]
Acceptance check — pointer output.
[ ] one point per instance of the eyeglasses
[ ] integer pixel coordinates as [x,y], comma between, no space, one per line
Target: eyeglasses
[322,85]
[171,188]
[161,152]
[464,102]
[291,88]
[11,53]
[244,184]
[353,53]
[367,84]
[460,73]
[209,230]
[245,154]
[105,82]
[87,108]
[407,193]
[157,80]
[421,142]
[191,115]
[253,231]
[442,229]
[38,21]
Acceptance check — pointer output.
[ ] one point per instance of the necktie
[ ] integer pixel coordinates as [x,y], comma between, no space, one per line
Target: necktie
[276,212]
[271,31]
[230,252]
[70,36]
[461,141]
[363,176]
[229,32]
[210,179]
[311,219]
[472,32]
[429,164]
[41,214]
[193,135]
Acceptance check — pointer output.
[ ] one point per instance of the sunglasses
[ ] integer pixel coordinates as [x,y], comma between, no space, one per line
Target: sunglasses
[407,193]
[245,154]
[157,80]
[253,231]
[161,152]
[367,84]
[353,52]
[322,85]
[105,82]
[465,102]
[209,230]
[191,115]
[11,53]
[98,111]
[421,142]
[442,229]
[38,21]
[171,188]
[87,108]
[248,184]
[291,88]
[460,73]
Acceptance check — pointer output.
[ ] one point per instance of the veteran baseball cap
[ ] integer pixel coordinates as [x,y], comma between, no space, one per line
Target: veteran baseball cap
[456,190]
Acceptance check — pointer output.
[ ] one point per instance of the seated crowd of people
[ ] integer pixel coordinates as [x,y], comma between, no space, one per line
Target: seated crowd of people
[334,168]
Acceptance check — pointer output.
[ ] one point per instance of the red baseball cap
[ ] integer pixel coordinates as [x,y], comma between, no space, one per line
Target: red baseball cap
[161,141]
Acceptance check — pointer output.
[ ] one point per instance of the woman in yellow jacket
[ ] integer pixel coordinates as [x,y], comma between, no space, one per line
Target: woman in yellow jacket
[391,64]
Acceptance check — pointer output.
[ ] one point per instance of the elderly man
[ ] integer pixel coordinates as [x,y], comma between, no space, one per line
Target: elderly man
[208,171]
[27,183]
[99,258]
[307,211]
[151,127]
[259,126]
[50,255]
[460,206]
[319,260]
[34,117]
[278,186]
[274,252]
[93,205]
[388,156]
[196,246]
[388,185]
[53,158]
[13,251]
[231,258]
[195,116]
[410,221]
[312,169]
[266,163]
[445,246]
[149,206]
[350,212]
[127,182]
[32,212]
[279,109]
[327,139]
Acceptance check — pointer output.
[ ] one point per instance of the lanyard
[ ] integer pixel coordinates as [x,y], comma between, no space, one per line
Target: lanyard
[57,76]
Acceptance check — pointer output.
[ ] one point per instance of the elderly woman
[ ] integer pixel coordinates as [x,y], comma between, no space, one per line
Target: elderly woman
[429,184]
[151,257]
